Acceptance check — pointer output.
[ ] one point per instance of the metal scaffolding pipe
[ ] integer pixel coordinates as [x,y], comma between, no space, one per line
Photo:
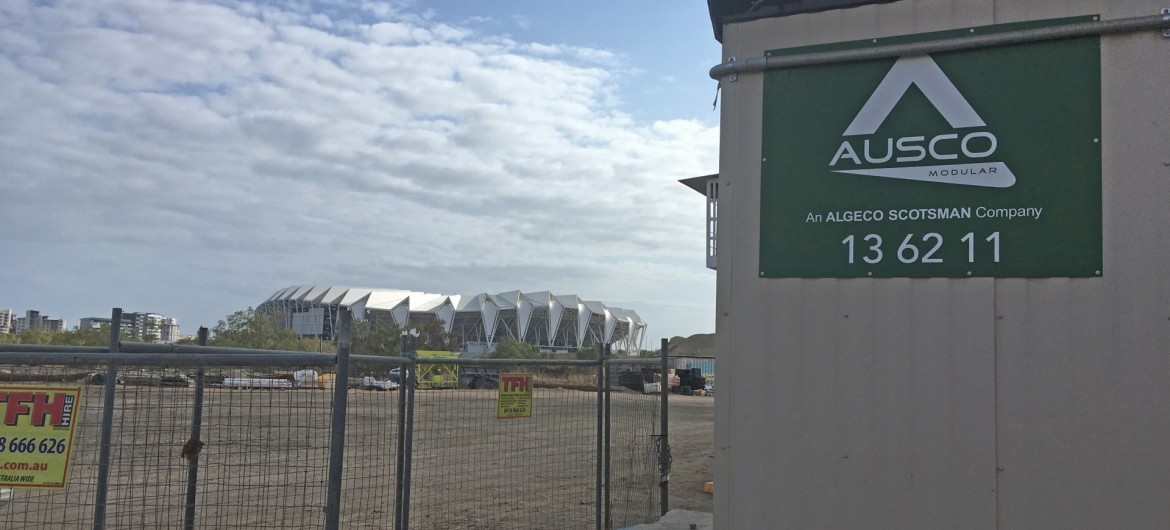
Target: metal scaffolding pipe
[196,443]
[664,432]
[409,379]
[170,359]
[149,347]
[1084,29]
[597,503]
[36,348]
[107,426]
[337,423]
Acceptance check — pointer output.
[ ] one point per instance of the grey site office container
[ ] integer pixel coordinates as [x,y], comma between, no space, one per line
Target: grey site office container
[984,402]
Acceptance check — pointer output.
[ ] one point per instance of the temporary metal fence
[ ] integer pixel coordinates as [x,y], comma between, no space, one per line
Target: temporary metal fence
[294,440]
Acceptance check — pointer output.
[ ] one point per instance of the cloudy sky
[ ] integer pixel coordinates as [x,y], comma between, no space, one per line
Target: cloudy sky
[192,158]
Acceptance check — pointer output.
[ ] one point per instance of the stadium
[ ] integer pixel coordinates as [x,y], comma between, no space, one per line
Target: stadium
[554,323]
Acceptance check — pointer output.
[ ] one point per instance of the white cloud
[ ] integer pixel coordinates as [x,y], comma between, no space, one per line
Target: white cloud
[396,33]
[251,147]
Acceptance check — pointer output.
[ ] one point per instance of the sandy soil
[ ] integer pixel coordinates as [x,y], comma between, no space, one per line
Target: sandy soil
[692,442]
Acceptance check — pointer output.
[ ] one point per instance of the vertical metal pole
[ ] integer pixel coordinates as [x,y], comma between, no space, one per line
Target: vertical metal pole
[411,383]
[608,428]
[663,434]
[107,430]
[600,430]
[196,426]
[400,448]
[337,430]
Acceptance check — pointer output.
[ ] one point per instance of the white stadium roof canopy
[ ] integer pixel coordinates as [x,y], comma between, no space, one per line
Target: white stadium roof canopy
[557,322]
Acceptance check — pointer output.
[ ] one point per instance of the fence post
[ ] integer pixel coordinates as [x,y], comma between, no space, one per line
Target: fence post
[337,431]
[400,459]
[410,380]
[664,436]
[196,426]
[608,428]
[107,429]
[600,430]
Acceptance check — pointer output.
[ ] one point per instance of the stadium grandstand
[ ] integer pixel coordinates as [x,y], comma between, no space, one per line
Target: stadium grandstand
[554,323]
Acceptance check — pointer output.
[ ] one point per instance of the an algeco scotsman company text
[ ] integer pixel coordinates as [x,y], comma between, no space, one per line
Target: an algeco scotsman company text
[917,167]
[918,214]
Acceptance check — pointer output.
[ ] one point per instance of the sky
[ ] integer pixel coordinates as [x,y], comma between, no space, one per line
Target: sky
[192,158]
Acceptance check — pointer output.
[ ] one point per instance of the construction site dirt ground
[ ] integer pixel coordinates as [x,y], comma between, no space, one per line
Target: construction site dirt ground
[692,442]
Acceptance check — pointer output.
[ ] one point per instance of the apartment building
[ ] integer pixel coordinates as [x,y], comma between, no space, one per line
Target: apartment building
[148,327]
[33,319]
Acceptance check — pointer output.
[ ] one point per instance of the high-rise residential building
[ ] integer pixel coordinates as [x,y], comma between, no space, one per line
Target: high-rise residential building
[6,321]
[33,320]
[98,322]
[147,327]
[93,322]
[168,331]
[53,325]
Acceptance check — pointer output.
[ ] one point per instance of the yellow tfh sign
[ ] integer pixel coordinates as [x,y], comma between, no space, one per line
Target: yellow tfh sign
[515,397]
[36,434]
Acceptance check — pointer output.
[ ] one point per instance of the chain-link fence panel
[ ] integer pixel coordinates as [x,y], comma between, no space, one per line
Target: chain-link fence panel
[248,444]
[261,462]
[633,453]
[43,508]
[369,480]
[267,448]
[473,469]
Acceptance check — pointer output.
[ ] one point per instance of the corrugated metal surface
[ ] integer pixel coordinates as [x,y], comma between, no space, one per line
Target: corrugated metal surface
[974,403]
[1084,369]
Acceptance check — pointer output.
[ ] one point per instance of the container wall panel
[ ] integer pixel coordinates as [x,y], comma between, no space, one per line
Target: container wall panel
[950,403]
[1083,366]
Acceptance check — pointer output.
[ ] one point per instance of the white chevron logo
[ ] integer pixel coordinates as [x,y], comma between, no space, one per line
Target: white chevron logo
[923,72]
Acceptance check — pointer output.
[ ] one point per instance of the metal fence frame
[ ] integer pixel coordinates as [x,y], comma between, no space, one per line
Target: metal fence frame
[163,355]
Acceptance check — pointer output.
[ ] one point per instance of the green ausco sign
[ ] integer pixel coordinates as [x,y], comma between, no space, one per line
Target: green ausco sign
[973,163]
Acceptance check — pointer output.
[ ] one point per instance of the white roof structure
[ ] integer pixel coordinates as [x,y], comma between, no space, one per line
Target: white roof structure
[550,321]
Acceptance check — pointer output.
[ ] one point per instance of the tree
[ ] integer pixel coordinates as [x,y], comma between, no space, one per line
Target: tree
[432,336]
[250,329]
[514,349]
[376,336]
[30,336]
[150,331]
[77,337]
[99,336]
[380,335]
[587,353]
